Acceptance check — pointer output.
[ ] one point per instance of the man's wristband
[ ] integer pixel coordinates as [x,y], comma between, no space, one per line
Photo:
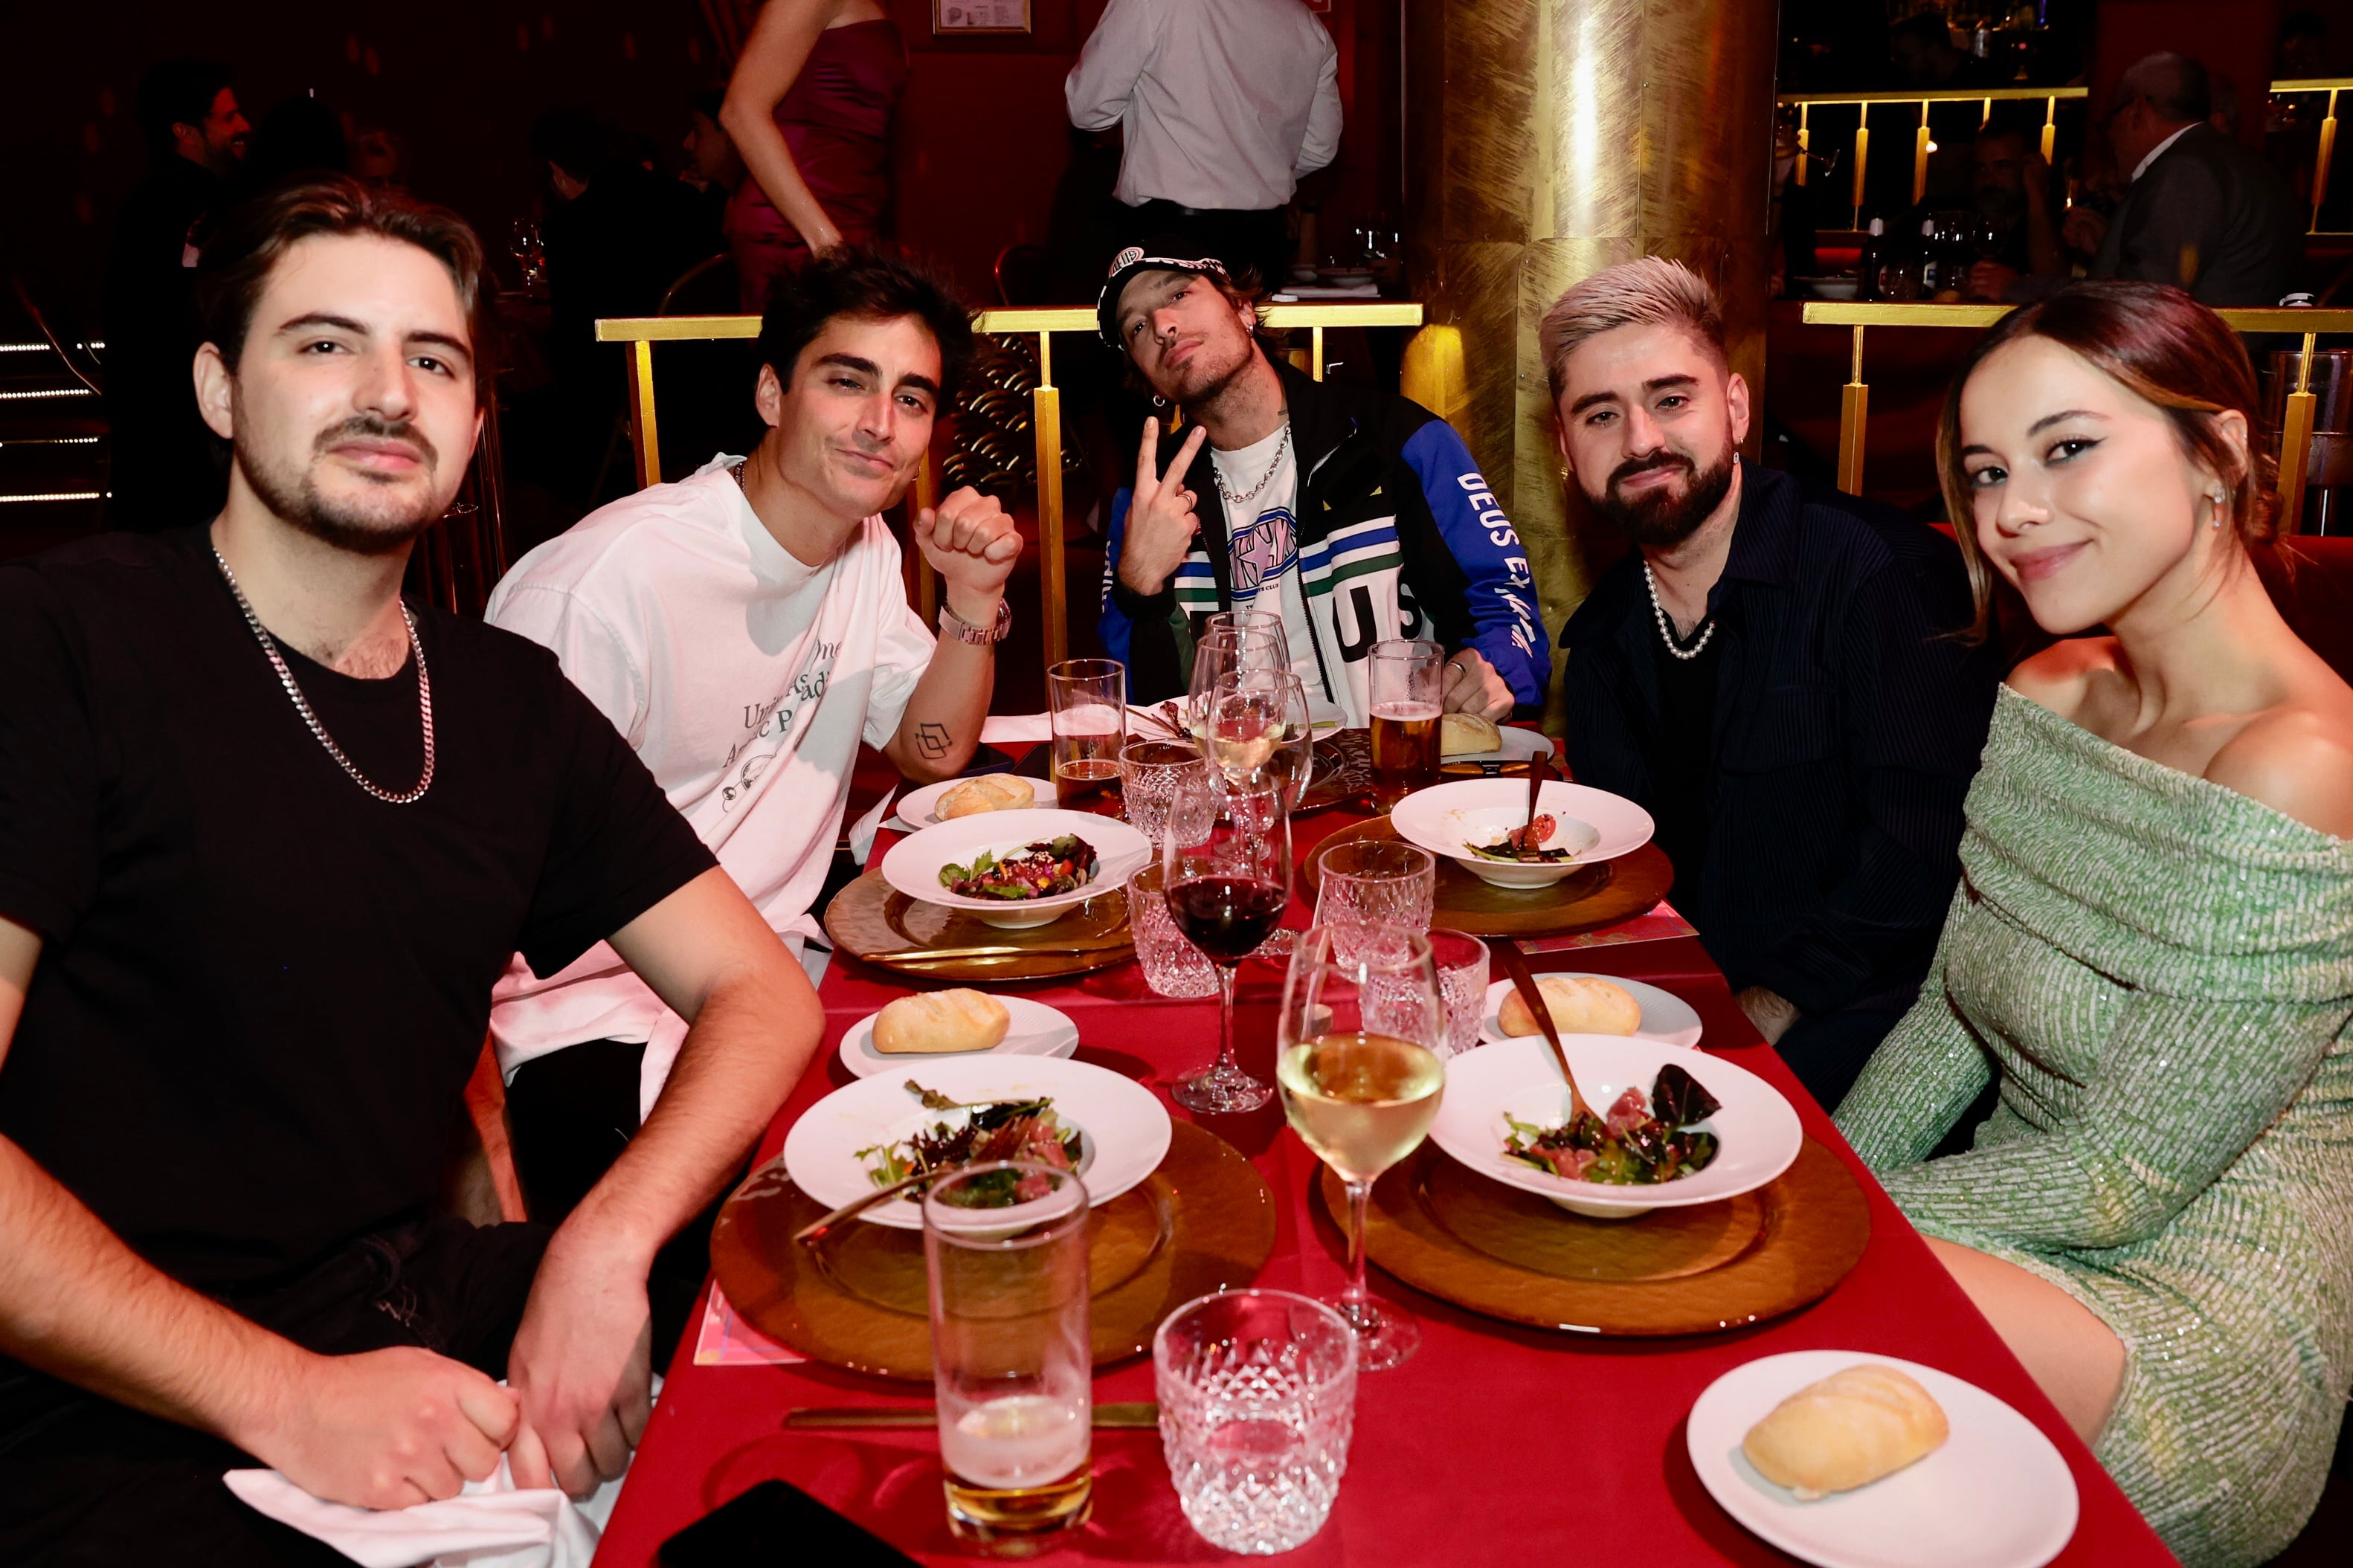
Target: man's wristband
[955,625]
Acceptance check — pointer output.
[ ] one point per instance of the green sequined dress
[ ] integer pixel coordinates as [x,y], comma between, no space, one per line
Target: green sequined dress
[2162,971]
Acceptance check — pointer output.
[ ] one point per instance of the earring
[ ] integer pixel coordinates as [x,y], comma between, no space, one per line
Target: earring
[2221,500]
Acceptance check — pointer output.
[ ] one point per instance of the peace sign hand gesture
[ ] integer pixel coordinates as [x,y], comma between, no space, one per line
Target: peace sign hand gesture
[1160,520]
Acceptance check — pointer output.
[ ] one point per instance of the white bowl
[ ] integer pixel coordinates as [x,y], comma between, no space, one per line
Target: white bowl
[1666,1018]
[1997,1494]
[1126,1127]
[1033,1029]
[913,866]
[1756,1132]
[1446,818]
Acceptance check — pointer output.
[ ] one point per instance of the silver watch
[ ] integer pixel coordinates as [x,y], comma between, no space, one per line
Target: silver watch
[955,625]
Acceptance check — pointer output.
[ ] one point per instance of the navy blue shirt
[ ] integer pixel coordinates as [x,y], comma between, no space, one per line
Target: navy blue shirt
[1847,726]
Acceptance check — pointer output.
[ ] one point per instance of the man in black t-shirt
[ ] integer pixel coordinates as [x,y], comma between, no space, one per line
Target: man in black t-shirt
[1770,678]
[268,835]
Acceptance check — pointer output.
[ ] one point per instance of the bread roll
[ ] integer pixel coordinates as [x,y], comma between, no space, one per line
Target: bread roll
[992,792]
[1579,1004]
[1466,734]
[933,1022]
[1846,1431]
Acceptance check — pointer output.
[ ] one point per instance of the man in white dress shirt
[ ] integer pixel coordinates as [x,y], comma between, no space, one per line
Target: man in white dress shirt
[1222,105]
[745,629]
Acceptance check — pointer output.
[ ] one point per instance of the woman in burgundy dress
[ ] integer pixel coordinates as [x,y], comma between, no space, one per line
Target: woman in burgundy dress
[809,108]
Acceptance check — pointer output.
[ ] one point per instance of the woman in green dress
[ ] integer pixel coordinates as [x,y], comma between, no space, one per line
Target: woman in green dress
[2152,945]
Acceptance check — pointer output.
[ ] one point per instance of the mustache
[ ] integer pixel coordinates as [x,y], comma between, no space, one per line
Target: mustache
[375,427]
[1662,459]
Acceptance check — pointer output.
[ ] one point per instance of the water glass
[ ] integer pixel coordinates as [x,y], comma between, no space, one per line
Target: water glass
[1172,966]
[1087,698]
[1368,882]
[1012,1365]
[1150,773]
[1461,961]
[1257,1396]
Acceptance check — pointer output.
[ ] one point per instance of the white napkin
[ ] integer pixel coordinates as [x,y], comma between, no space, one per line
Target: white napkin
[490,1524]
[1001,727]
[862,831]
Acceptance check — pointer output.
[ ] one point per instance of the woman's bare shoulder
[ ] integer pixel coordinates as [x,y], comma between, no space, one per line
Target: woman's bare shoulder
[2060,677]
[2298,758]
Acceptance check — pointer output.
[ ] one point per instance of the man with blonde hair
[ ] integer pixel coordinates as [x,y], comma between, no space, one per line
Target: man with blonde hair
[1771,675]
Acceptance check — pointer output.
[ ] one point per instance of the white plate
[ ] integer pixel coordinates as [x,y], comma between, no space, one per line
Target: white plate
[1996,1495]
[1666,1018]
[916,808]
[913,866]
[1126,1127]
[1518,746]
[1035,1030]
[1595,824]
[1756,1133]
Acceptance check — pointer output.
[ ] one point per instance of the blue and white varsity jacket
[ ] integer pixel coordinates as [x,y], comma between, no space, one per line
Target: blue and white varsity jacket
[1399,536]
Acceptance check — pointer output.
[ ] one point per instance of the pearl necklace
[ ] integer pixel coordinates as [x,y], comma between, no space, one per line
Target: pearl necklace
[286,679]
[1264,479]
[1667,628]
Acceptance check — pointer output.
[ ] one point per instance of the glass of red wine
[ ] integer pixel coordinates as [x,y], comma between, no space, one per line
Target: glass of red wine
[1226,867]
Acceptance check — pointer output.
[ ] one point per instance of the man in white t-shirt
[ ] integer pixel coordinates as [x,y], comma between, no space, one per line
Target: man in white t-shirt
[745,630]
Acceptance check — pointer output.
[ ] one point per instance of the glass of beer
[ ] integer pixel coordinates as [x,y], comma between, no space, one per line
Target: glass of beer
[1406,679]
[1359,1060]
[1005,1248]
[1087,698]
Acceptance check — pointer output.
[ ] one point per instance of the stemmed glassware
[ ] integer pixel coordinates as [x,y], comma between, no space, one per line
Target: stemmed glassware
[1263,622]
[1226,873]
[1359,1058]
[1221,653]
[1258,721]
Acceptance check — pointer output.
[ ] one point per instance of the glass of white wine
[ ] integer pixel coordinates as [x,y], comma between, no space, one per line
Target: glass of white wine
[1218,653]
[1257,720]
[1360,1067]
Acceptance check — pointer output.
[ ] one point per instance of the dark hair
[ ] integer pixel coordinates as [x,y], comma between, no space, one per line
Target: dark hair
[178,92]
[2163,347]
[575,140]
[254,238]
[867,283]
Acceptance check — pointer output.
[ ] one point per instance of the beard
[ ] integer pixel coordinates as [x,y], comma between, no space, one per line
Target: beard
[1664,518]
[1205,377]
[363,525]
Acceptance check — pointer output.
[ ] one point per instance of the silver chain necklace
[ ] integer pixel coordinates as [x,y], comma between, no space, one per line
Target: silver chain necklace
[1264,479]
[286,679]
[1667,628]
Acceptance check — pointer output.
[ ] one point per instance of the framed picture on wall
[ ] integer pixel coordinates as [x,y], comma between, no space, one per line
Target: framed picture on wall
[980,16]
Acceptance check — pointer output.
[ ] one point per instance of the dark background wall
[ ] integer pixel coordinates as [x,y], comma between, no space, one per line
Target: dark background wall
[981,139]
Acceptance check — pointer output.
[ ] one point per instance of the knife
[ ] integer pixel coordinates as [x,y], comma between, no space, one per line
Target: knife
[1515,964]
[945,954]
[1134,1413]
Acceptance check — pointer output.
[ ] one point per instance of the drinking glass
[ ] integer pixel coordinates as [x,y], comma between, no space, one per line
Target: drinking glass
[1172,966]
[1258,719]
[1258,1401]
[1012,1365]
[1088,701]
[1368,883]
[1149,773]
[1262,622]
[1358,1057]
[1406,684]
[1226,873]
[1222,653]
[1461,963]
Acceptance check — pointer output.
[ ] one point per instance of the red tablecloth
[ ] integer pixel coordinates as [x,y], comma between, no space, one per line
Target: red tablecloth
[1493,1441]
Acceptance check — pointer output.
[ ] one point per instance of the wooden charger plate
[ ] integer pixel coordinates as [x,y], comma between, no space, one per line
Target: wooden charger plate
[1589,898]
[1503,1252]
[868,919]
[1202,1221]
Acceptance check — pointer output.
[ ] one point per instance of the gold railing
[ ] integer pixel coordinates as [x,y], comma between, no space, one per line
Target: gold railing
[2295,420]
[1805,101]
[642,332]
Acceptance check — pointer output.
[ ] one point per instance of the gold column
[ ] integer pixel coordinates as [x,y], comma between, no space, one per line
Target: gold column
[1547,140]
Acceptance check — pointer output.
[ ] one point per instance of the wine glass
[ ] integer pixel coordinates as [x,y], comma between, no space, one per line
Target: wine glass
[1358,1056]
[1259,719]
[1221,653]
[1226,873]
[1249,621]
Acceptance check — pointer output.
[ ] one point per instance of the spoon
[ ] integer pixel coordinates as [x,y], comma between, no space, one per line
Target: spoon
[1515,964]
[814,1231]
